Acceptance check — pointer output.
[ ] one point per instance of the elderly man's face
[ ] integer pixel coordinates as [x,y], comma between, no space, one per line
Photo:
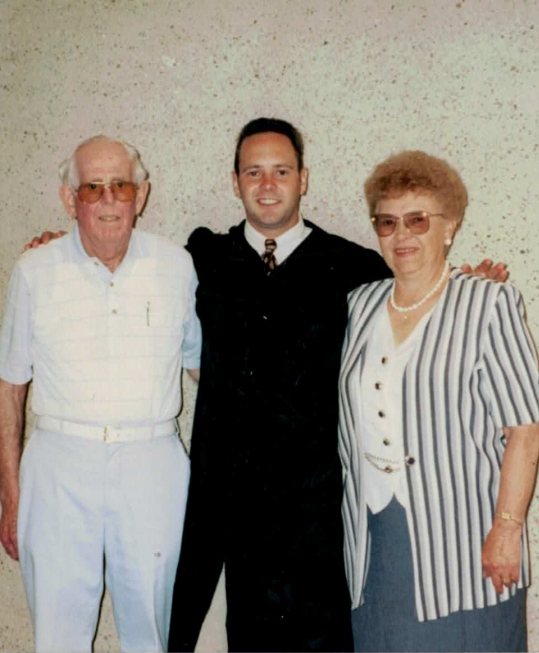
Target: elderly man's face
[105,225]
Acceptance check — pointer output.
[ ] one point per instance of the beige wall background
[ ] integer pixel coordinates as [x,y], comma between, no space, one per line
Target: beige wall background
[361,79]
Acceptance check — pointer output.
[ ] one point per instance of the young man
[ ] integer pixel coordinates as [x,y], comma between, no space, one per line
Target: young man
[265,491]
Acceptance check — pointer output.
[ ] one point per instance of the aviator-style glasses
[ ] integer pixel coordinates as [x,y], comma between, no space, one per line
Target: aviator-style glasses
[123,191]
[418,222]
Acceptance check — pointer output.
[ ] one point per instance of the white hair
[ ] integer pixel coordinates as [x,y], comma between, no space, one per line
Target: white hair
[69,174]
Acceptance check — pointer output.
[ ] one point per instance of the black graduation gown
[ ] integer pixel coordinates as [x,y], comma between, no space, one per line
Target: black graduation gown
[266,485]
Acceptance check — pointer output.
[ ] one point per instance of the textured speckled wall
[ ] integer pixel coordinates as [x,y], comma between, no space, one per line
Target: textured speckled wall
[178,78]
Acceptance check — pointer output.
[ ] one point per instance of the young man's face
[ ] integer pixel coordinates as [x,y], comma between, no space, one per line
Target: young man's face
[269,183]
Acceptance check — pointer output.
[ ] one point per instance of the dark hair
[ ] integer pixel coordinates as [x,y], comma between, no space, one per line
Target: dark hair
[417,171]
[276,126]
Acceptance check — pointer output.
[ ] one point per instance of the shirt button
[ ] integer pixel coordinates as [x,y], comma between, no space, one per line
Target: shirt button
[114,311]
[111,284]
[381,413]
[378,385]
[386,442]
[410,460]
[384,360]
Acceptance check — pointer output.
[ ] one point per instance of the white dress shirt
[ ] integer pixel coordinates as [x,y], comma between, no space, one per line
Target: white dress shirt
[286,242]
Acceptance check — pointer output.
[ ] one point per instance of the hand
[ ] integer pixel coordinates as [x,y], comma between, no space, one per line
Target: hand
[8,529]
[494,271]
[194,374]
[45,238]
[501,554]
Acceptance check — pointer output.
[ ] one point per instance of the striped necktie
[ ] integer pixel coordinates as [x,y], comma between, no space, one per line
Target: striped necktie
[268,257]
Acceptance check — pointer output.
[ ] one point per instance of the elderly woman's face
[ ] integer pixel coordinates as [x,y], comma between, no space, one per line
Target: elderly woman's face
[407,252]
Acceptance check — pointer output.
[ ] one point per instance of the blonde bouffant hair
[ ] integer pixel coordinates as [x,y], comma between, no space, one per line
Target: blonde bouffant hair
[421,173]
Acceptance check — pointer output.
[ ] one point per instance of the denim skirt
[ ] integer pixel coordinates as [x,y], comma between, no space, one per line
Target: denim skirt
[387,620]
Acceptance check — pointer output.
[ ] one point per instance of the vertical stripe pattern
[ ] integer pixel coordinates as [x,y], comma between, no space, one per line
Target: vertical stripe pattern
[473,373]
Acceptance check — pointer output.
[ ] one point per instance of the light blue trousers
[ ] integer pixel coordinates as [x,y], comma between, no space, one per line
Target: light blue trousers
[89,512]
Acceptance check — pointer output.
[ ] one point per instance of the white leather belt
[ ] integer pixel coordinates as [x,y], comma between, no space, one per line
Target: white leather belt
[107,433]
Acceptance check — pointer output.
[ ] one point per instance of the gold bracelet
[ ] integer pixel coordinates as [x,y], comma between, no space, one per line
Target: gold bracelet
[507,516]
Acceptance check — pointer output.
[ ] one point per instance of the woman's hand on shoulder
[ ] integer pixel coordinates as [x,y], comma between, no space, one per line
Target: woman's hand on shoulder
[488,269]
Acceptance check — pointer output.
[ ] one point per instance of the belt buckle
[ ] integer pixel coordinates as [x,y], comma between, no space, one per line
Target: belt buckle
[112,434]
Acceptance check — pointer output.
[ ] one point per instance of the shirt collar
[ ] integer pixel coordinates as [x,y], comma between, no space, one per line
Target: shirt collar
[81,256]
[295,234]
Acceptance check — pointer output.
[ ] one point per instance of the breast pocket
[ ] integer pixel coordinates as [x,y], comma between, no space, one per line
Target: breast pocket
[153,325]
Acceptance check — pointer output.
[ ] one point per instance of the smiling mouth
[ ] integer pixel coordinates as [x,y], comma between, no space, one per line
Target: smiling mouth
[267,201]
[108,218]
[402,251]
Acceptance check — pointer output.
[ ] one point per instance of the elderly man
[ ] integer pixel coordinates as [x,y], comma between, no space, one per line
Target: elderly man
[102,321]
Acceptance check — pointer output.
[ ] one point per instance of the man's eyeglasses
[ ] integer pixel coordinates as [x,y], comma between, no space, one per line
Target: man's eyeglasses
[418,222]
[123,191]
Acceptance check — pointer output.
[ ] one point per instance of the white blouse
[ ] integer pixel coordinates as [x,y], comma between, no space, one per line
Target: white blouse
[381,436]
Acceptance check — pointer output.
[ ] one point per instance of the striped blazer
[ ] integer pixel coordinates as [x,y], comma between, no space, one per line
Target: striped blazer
[473,372]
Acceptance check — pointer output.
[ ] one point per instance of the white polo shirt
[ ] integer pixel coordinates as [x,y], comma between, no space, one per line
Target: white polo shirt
[102,347]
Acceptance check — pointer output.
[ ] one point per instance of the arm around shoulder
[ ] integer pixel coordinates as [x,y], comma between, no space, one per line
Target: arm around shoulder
[487,268]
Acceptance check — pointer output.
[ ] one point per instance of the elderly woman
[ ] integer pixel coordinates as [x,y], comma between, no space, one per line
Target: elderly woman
[439,437]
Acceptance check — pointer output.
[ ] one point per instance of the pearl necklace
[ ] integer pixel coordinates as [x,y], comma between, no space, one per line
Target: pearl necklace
[413,307]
